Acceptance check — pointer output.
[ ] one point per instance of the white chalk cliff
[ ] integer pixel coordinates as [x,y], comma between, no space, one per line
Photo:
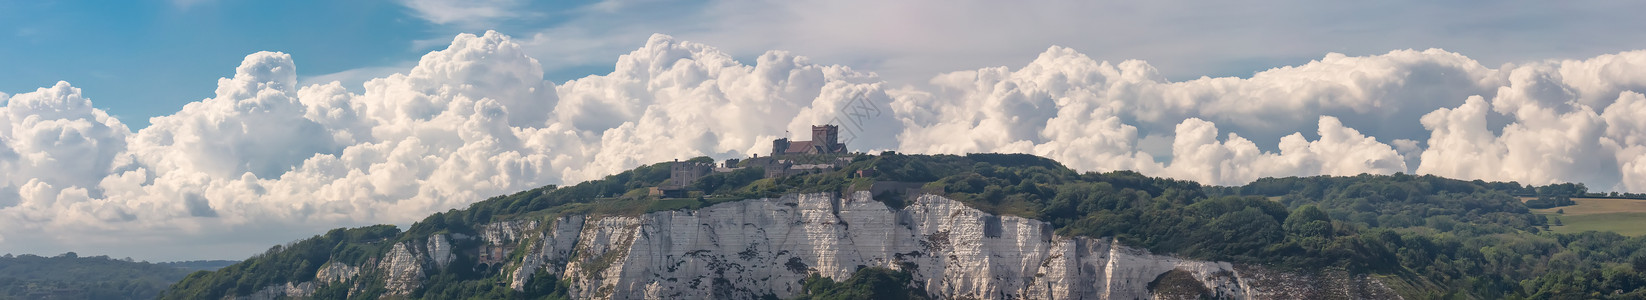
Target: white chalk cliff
[754,248]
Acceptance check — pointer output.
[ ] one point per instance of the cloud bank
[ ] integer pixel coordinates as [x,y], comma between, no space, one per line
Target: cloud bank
[266,160]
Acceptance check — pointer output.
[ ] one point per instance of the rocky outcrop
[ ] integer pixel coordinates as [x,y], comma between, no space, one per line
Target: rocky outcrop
[506,232]
[440,251]
[402,270]
[328,273]
[336,272]
[602,250]
[553,249]
[288,290]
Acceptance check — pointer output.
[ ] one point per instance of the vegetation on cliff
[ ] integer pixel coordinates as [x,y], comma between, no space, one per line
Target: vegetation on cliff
[866,283]
[1429,237]
[291,263]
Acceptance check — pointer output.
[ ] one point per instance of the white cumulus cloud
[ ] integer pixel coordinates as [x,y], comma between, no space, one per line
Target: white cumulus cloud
[471,121]
[1569,121]
[266,160]
[1428,112]
[1339,151]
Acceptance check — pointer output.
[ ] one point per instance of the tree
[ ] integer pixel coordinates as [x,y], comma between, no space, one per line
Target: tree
[1557,222]
[1560,211]
[1242,232]
[1309,221]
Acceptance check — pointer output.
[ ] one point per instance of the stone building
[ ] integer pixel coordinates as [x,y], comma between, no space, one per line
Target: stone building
[494,254]
[682,174]
[825,140]
[681,177]
[788,158]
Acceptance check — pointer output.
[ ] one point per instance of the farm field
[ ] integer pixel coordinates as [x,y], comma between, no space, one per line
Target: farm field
[1624,216]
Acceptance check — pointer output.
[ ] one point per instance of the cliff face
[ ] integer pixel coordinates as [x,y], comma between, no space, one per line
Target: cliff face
[754,248]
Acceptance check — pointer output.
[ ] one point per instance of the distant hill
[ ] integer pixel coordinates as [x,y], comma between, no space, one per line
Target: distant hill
[983,226]
[199,265]
[69,276]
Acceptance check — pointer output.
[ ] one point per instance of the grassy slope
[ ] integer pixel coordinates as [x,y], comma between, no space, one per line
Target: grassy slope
[1623,216]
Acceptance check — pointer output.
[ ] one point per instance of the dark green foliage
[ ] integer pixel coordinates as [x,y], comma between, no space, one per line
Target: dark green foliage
[69,276]
[893,199]
[728,183]
[584,195]
[1309,221]
[907,168]
[295,262]
[1016,160]
[866,283]
[1472,239]
[1178,284]
[1563,190]
[545,286]
[1546,201]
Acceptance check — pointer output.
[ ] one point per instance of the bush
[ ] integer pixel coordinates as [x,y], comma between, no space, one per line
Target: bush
[866,283]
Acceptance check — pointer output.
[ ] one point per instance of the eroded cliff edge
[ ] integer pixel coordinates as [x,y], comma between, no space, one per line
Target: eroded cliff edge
[755,248]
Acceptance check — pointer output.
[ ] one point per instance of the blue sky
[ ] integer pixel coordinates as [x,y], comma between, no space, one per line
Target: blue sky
[145,58]
[140,59]
[507,98]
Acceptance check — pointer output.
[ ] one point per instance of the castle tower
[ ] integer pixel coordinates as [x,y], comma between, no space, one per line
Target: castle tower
[779,146]
[826,137]
[825,140]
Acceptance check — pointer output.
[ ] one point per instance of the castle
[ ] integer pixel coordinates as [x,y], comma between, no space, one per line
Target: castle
[825,140]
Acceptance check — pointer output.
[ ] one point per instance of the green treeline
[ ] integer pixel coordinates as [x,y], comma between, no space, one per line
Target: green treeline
[69,276]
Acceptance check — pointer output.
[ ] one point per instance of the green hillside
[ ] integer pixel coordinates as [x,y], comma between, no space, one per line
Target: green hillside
[1428,237]
[69,276]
